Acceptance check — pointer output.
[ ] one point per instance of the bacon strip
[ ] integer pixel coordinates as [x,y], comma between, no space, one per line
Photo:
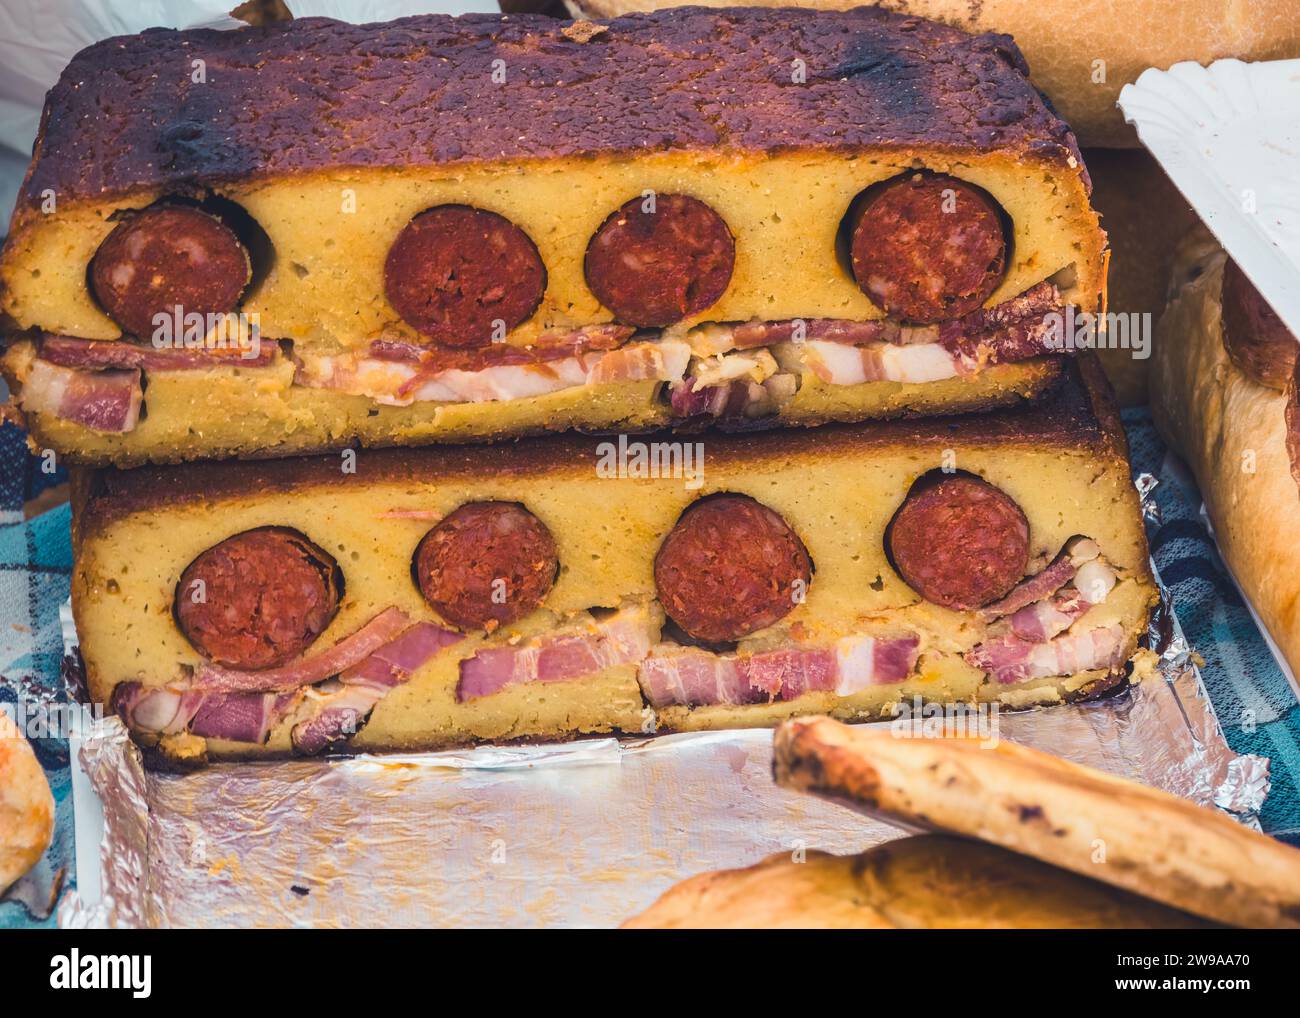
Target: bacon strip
[240,717]
[748,335]
[107,401]
[837,364]
[1010,659]
[623,639]
[1045,583]
[692,677]
[549,346]
[87,353]
[334,713]
[400,383]
[349,651]
[1015,330]
[326,713]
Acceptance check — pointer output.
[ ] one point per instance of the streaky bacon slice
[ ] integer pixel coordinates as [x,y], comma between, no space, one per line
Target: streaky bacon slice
[1049,617]
[164,710]
[331,714]
[639,362]
[549,346]
[322,713]
[401,382]
[1044,619]
[694,677]
[119,353]
[590,647]
[1046,582]
[107,400]
[1015,330]
[863,661]
[240,717]
[1010,659]
[747,335]
[787,674]
[349,651]
[837,364]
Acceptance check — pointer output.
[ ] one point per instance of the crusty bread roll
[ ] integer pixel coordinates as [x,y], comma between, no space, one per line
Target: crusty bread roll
[1098,825]
[26,805]
[924,882]
[1232,432]
[1067,44]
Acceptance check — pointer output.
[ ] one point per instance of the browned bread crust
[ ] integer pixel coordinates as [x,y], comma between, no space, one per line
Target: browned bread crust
[925,882]
[125,114]
[1082,54]
[1233,433]
[1095,824]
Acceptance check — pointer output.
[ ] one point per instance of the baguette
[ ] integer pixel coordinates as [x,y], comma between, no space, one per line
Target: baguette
[1233,432]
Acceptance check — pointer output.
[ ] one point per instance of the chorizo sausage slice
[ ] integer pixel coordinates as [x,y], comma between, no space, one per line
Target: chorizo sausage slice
[258,599]
[654,268]
[486,564]
[927,247]
[730,567]
[463,276]
[958,541]
[167,256]
[1256,340]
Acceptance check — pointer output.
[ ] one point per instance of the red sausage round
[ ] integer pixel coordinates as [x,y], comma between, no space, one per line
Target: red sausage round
[264,597]
[486,564]
[927,247]
[654,268]
[165,256]
[959,542]
[1256,339]
[455,272]
[730,567]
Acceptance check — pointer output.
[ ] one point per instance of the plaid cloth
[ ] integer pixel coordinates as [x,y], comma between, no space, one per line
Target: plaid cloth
[1255,703]
[35,572]
[1252,697]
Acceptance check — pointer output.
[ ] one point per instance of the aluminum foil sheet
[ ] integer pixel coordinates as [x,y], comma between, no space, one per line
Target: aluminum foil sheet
[587,833]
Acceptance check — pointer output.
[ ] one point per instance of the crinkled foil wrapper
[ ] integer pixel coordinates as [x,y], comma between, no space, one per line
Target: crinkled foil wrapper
[587,833]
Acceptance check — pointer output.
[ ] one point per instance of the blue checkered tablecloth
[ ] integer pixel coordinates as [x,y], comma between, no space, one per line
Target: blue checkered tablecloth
[1254,701]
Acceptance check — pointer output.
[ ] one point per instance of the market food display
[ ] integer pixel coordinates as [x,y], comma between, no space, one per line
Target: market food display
[494,383]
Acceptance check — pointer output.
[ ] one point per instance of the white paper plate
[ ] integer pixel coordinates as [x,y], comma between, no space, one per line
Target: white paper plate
[1228,136]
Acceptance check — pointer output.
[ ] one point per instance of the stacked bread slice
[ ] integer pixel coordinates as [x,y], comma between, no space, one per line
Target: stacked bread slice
[810,280]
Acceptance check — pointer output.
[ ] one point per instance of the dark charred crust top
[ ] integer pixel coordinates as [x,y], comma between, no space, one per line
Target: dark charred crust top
[317,94]
[1078,414]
